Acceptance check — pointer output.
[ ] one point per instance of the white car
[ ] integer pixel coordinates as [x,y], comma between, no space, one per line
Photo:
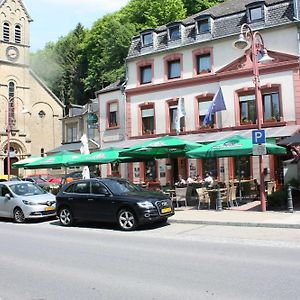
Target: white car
[23,200]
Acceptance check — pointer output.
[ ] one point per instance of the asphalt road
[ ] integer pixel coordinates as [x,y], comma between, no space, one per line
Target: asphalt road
[42,260]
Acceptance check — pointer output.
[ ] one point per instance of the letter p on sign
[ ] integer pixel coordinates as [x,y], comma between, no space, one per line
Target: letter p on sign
[259,136]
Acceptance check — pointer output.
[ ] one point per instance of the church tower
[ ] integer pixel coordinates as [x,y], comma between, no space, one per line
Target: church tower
[29,111]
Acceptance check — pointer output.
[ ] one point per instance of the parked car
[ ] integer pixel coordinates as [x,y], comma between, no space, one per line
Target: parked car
[48,177]
[76,175]
[43,183]
[111,200]
[23,200]
[11,178]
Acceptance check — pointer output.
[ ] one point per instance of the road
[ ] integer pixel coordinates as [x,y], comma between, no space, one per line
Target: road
[42,260]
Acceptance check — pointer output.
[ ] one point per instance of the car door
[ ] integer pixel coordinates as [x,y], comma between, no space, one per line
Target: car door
[6,205]
[79,200]
[102,202]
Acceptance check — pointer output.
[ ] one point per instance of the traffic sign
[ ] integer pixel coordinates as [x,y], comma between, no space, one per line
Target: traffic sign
[259,149]
[259,136]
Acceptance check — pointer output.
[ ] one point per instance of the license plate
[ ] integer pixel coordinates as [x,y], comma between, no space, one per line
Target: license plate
[166,210]
[49,208]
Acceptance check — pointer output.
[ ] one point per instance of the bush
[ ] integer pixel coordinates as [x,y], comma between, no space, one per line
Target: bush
[278,200]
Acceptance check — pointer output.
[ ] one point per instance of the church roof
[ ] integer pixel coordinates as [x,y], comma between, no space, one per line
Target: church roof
[2,2]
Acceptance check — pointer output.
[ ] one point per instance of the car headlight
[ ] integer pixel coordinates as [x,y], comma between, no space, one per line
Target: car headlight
[145,204]
[26,202]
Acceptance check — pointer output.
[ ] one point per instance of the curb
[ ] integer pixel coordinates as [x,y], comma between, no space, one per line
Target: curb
[232,223]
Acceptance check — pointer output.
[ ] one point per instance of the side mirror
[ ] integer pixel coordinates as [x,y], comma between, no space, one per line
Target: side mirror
[7,196]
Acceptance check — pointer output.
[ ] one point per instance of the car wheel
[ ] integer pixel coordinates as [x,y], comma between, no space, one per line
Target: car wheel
[19,215]
[127,220]
[66,217]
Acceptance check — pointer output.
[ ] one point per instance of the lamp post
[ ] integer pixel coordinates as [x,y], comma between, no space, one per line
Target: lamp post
[9,125]
[254,39]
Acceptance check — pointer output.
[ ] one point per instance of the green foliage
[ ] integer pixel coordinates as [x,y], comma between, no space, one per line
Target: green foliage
[85,61]
[106,47]
[278,199]
[152,13]
[195,6]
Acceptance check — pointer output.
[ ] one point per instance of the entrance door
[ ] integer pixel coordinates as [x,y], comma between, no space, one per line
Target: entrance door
[12,171]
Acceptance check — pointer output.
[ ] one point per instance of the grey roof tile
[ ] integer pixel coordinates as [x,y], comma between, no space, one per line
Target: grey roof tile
[227,19]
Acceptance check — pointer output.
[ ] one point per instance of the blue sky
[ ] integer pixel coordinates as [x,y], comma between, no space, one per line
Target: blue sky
[55,18]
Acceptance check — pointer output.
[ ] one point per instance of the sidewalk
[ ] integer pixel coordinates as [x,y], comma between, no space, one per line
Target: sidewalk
[237,218]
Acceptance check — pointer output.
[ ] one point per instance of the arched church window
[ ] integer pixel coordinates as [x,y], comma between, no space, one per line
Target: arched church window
[6,32]
[18,34]
[11,101]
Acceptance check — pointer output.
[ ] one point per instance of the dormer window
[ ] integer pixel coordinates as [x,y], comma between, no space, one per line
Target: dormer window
[255,13]
[203,26]
[174,33]
[147,39]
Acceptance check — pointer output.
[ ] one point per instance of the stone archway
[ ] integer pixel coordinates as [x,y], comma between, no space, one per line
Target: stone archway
[17,150]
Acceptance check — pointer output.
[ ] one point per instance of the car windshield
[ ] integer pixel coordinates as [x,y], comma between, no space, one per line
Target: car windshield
[26,189]
[122,186]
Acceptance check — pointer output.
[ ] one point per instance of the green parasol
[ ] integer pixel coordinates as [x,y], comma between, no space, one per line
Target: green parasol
[162,147]
[58,160]
[108,155]
[25,161]
[232,146]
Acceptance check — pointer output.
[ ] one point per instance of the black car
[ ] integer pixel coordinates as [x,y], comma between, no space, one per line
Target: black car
[111,200]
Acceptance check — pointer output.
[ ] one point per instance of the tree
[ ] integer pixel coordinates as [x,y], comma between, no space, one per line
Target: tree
[152,13]
[106,46]
[195,6]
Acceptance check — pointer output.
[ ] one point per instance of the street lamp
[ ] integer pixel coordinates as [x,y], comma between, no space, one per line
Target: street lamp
[9,125]
[254,41]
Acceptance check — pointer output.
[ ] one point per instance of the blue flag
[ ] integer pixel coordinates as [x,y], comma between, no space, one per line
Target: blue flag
[217,104]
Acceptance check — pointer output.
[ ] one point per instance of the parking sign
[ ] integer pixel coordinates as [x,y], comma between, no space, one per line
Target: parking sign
[259,136]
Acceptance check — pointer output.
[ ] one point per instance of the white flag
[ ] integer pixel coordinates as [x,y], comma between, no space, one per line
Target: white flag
[180,113]
[85,150]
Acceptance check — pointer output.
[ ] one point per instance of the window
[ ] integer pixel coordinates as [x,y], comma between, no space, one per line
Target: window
[82,188]
[242,167]
[71,133]
[98,188]
[148,120]
[113,114]
[203,26]
[247,109]
[173,117]
[203,63]
[203,109]
[6,32]
[271,107]
[146,74]
[150,170]
[174,33]
[255,13]
[174,69]
[210,166]
[18,34]
[147,39]
[11,102]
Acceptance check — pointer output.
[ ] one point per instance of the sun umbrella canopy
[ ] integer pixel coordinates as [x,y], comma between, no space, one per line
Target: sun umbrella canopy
[104,156]
[23,162]
[232,146]
[163,147]
[58,160]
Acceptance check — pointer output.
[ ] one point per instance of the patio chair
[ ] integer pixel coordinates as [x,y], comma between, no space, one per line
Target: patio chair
[271,186]
[181,195]
[232,196]
[203,197]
